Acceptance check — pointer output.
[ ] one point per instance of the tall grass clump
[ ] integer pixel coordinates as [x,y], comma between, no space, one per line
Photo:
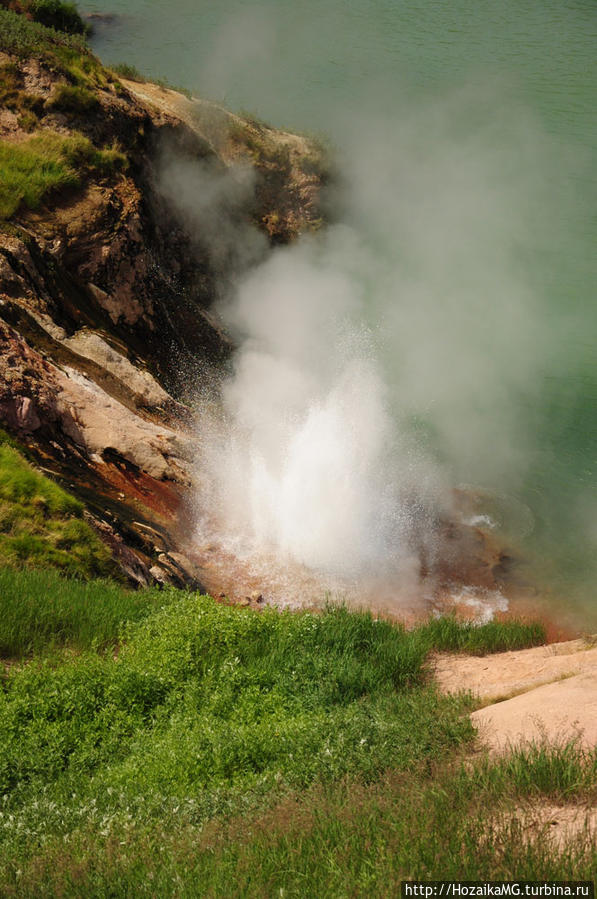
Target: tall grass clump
[128,71]
[41,611]
[29,172]
[448,634]
[56,14]
[559,770]
[46,163]
[72,98]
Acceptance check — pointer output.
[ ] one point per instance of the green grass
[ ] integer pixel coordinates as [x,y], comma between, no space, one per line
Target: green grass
[127,71]
[208,710]
[40,612]
[42,525]
[72,98]
[447,634]
[23,37]
[359,839]
[32,170]
[559,772]
[351,839]
[226,752]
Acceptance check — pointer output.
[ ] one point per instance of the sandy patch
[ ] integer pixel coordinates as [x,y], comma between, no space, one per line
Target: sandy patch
[558,824]
[559,712]
[547,693]
[507,673]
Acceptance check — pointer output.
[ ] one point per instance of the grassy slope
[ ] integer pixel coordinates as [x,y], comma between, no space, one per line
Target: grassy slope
[64,53]
[227,752]
[47,162]
[41,524]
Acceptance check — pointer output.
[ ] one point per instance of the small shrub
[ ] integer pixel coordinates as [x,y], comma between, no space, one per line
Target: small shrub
[57,14]
[9,84]
[13,97]
[21,36]
[28,121]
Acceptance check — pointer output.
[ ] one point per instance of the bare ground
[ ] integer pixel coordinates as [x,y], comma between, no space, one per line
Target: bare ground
[549,692]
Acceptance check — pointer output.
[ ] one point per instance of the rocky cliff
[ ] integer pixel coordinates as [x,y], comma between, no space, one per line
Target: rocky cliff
[106,294]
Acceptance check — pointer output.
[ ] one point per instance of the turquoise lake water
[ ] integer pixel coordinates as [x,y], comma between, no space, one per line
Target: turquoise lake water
[328,68]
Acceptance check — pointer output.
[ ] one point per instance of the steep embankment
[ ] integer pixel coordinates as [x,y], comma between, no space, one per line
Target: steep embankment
[105,293]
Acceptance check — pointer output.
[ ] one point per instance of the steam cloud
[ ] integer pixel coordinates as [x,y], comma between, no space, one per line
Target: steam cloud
[391,357]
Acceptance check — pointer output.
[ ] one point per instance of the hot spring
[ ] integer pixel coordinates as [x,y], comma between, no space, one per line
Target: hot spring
[438,336]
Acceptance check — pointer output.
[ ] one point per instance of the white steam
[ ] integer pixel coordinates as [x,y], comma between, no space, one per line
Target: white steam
[396,354]
[310,438]
[212,201]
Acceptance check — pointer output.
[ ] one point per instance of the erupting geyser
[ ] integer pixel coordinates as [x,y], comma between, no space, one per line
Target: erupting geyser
[376,360]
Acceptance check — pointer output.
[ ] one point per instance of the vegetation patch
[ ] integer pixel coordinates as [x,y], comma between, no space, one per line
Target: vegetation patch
[63,53]
[351,838]
[448,634]
[23,37]
[54,14]
[46,163]
[72,98]
[224,751]
[131,73]
[207,710]
[41,524]
[41,611]
[253,137]
[13,97]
